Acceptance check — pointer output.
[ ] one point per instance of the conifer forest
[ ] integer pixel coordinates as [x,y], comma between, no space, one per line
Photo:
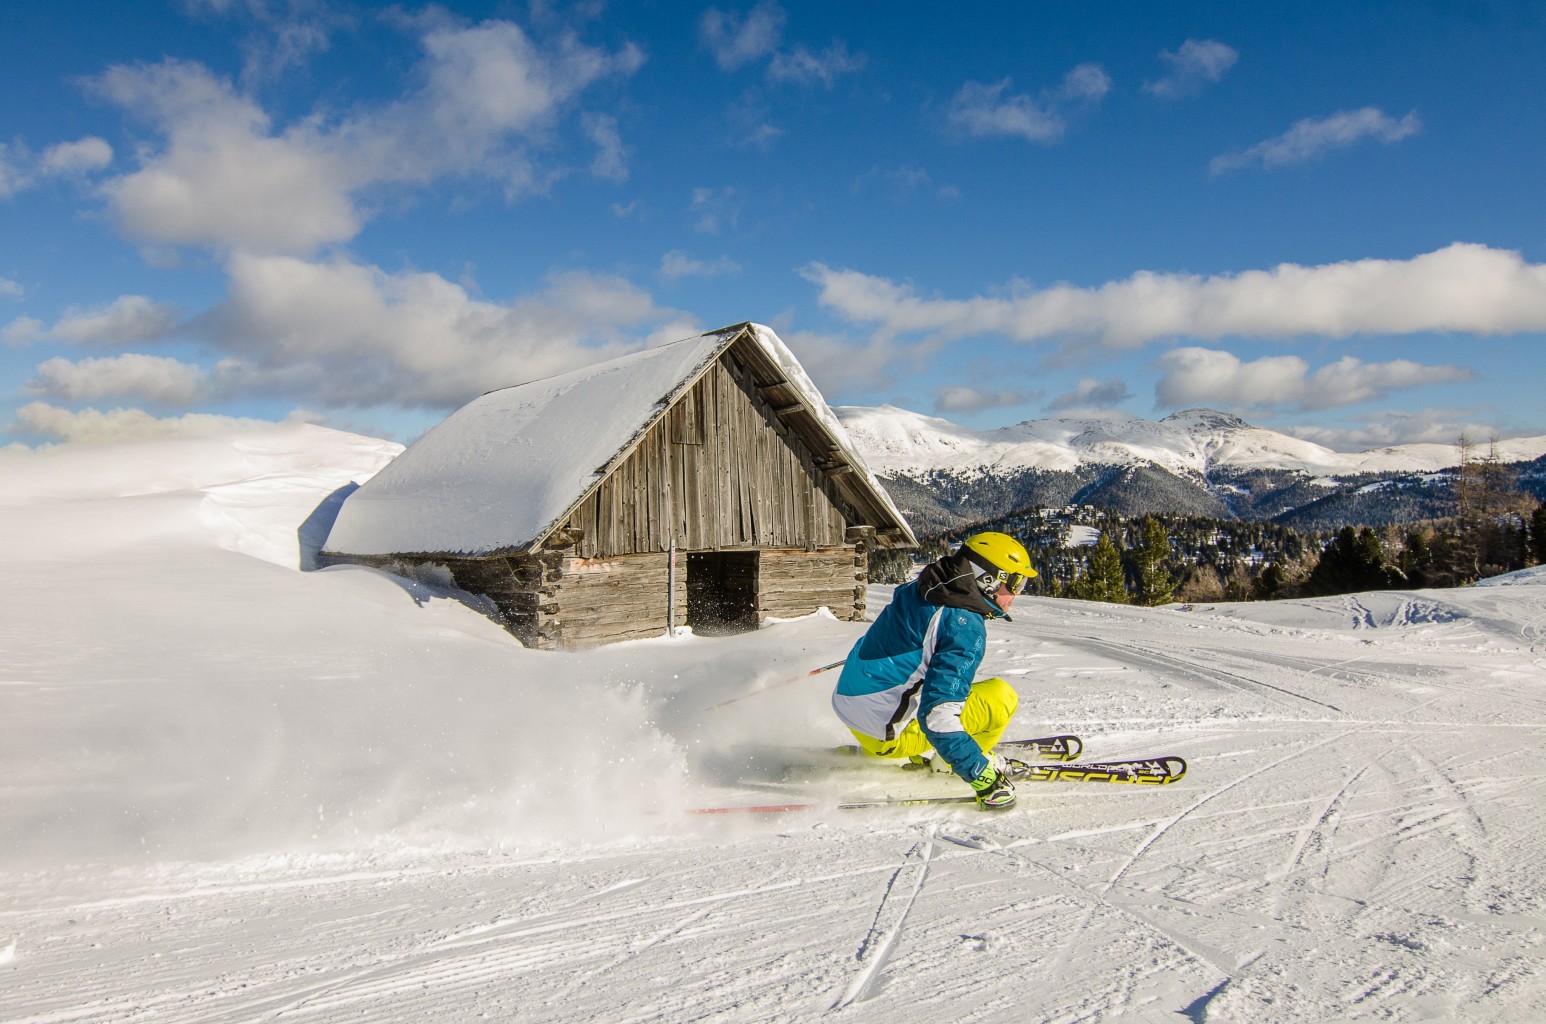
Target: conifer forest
[1481,519]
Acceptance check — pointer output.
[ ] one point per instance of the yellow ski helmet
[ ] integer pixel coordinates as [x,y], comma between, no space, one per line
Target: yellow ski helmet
[1000,559]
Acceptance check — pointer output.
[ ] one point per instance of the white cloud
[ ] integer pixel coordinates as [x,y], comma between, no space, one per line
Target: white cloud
[803,67]
[1197,376]
[960,398]
[12,178]
[897,180]
[611,162]
[127,319]
[223,178]
[987,110]
[343,334]
[760,136]
[1196,65]
[737,40]
[10,289]
[24,330]
[93,426]
[490,80]
[1463,287]
[1388,427]
[983,110]
[1087,82]
[676,264]
[287,33]
[1314,136]
[78,157]
[1091,394]
[839,363]
[21,168]
[900,183]
[749,123]
[227,177]
[151,378]
[715,209]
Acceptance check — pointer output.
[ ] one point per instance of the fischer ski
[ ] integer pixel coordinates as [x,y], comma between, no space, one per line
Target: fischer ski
[843,805]
[1066,747]
[1151,771]
[1063,747]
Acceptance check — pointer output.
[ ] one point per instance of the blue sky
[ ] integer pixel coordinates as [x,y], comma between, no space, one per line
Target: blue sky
[1325,217]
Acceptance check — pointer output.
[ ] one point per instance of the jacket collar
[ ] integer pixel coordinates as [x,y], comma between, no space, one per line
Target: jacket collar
[951,581]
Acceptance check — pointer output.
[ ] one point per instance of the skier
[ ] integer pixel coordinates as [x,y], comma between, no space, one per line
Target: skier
[907,685]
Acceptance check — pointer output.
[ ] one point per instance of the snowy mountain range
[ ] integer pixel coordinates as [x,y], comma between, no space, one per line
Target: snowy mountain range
[1197,462]
[897,442]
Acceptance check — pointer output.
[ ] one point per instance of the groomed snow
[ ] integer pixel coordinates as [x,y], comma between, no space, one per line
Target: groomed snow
[236,791]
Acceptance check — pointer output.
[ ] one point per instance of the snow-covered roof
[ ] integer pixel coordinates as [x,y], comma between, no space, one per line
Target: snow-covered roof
[504,471]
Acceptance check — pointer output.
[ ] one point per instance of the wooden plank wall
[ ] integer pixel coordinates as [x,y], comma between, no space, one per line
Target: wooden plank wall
[720,471]
[604,600]
[555,600]
[797,582]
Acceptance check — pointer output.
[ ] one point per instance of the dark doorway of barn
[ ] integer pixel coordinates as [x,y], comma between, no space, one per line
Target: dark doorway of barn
[721,592]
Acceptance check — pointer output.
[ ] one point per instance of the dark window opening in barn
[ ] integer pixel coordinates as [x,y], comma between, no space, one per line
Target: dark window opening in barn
[721,592]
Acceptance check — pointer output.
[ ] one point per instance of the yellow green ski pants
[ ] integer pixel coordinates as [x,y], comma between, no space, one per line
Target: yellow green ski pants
[989,706]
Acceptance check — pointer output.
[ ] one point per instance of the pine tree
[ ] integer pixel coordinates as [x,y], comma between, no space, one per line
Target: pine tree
[1538,533]
[1203,585]
[1469,490]
[1155,584]
[1103,579]
[1416,558]
[1270,581]
[1351,563]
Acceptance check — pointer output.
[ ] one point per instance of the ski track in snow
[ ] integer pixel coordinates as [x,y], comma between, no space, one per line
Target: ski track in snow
[1378,866]
[1357,837]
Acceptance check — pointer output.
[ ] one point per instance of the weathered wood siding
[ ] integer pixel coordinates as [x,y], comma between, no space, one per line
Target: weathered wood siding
[604,600]
[795,583]
[719,471]
[554,600]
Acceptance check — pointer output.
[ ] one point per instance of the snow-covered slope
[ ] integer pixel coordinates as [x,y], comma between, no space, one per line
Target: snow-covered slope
[233,791]
[1198,441]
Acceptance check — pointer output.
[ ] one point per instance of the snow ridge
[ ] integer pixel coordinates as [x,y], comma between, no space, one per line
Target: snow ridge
[897,442]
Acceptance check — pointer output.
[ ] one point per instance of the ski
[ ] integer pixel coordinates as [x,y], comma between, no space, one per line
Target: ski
[1151,771]
[1066,747]
[1063,747]
[844,805]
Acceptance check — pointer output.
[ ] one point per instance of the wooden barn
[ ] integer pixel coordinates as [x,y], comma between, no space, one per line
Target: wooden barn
[703,483]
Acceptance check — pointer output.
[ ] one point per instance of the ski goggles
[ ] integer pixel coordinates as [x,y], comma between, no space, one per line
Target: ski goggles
[1015,581]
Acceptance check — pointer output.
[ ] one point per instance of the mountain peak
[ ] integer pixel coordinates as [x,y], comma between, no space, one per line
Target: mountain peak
[1207,419]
